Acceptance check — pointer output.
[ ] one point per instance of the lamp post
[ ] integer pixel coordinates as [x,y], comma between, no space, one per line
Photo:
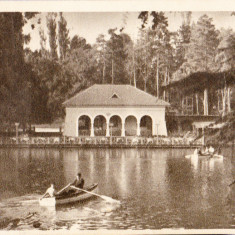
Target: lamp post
[17,129]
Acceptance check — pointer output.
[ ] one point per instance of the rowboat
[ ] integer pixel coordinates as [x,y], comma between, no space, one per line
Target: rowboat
[205,156]
[69,197]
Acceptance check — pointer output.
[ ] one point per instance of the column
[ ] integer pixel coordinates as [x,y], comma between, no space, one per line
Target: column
[205,102]
[92,128]
[107,129]
[138,127]
[123,128]
[153,127]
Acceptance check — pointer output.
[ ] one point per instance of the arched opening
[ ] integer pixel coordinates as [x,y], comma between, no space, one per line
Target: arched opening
[84,126]
[100,126]
[115,124]
[131,126]
[146,126]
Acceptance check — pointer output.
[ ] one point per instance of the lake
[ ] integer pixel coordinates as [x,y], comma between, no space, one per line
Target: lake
[154,189]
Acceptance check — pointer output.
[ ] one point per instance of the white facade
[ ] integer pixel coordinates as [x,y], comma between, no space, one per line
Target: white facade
[156,113]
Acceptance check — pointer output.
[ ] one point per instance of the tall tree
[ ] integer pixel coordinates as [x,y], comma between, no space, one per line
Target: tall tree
[116,56]
[101,49]
[51,25]
[15,74]
[202,47]
[63,36]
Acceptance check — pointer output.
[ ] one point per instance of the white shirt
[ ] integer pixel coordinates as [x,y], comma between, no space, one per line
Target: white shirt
[211,149]
[50,191]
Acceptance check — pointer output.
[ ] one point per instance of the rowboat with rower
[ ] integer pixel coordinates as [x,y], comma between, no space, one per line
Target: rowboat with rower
[66,195]
[73,192]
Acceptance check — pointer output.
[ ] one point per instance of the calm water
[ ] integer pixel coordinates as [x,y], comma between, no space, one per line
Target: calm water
[156,189]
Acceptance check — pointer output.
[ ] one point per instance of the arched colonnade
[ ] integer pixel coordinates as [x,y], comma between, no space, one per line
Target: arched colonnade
[115,125]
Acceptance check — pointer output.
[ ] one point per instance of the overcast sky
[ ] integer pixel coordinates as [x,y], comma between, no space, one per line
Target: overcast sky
[90,25]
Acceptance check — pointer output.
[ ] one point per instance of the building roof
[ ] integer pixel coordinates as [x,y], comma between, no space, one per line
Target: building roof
[196,82]
[113,95]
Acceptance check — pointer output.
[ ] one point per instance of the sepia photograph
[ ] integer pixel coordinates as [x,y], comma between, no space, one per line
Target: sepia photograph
[117,120]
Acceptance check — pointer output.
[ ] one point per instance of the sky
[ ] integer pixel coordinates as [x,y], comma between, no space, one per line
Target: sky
[90,24]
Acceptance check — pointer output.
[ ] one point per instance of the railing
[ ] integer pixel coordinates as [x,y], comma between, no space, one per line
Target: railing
[99,141]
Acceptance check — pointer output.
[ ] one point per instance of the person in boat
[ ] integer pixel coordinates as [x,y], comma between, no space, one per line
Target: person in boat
[79,181]
[200,151]
[50,192]
[211,150]
[206,150]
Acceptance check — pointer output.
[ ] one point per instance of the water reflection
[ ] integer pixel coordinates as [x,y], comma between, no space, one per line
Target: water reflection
[157,188]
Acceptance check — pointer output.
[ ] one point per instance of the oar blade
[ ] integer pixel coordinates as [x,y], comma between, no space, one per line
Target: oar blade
[109,199]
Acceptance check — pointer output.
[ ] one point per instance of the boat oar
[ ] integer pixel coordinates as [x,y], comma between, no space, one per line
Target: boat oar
[232,183]
[63,189]
[95,194]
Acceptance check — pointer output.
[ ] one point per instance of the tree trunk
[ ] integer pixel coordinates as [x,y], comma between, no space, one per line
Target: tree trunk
[112,69]
[197,110]
[205,101]
[223,92]
[157,77]
[103,73]
[228,99]
[133,60]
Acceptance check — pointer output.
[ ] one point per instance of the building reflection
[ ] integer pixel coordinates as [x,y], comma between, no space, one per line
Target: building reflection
[91,166]
[194,163]
[158,170]
[107,161]
[71,165]
[123,175]
[137,167]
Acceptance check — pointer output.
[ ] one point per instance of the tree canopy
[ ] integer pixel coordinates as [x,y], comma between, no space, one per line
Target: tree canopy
[34,84]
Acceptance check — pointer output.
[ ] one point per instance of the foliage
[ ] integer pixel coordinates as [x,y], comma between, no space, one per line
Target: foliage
[51,25]
[15,74]
[201,50]
[63,37]
[33,85]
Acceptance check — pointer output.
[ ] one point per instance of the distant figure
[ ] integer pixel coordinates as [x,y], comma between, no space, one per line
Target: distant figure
[50,192]
[206,150]
[79,181]
[200,151]
[211,150]
[219,150]
[195,152]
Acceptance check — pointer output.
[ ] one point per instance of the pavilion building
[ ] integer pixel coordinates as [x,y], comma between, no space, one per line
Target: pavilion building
[114,110]
[201,98]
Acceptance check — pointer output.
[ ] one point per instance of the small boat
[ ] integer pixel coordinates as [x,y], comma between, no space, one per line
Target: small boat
[205,156]
[68,197]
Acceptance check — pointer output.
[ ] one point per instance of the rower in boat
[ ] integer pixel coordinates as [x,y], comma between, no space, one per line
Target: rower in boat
[79,181]
[50,192]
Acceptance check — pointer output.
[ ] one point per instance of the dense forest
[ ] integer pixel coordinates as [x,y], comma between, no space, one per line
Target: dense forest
[34,84]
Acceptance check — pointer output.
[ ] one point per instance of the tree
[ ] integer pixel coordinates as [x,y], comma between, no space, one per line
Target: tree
[15,74]
[202,47]
[51,25]
[63,37]
[101,52]
[117,54]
